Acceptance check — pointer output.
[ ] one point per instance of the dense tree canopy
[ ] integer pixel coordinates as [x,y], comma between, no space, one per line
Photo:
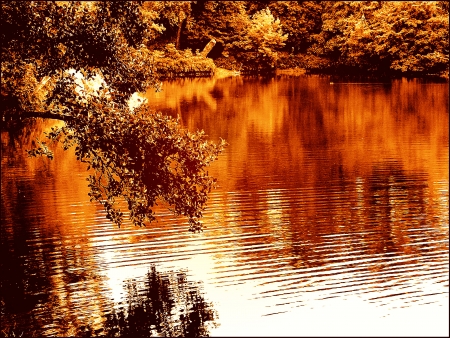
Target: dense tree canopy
[299,20]
[262,38]
[223,21]
[49,50]
[391,37]
[385,36]
[172,14]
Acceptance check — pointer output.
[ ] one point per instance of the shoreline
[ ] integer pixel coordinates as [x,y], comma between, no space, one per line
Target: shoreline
[220,73]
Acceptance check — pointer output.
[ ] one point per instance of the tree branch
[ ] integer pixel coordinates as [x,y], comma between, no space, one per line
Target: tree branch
[44,115]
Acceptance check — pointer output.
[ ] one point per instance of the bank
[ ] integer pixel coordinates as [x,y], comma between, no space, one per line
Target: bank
[186,64]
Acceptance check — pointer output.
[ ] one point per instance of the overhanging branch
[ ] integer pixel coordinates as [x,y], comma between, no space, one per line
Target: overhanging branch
[44,115]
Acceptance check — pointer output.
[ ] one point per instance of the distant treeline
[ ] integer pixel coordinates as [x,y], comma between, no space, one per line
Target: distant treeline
[383,37]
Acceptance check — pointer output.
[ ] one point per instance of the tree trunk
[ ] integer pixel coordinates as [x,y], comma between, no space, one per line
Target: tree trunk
[180,28]
[208,48]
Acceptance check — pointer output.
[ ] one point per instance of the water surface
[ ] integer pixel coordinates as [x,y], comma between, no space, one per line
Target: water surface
[330,218]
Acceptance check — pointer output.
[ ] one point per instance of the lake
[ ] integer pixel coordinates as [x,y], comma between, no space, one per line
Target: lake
[330,217]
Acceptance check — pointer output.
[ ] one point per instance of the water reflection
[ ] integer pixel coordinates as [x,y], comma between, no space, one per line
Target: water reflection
[53,280]
[168,305]
[304,128]
[325,190]
[382,213]
[332,203]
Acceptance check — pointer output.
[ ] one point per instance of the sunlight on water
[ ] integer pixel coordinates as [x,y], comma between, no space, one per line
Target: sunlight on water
[330,218]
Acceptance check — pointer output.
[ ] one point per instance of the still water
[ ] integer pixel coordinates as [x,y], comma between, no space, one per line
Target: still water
[330,218]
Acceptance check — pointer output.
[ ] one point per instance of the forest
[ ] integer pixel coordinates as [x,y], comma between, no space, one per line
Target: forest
[371,37]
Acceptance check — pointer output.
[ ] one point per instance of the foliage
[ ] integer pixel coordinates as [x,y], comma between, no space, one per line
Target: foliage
[304,61]
[412,36]
[80,63]
[224,21]
[172,62]
[240,38]
[299,19]
[384,36]
[171,14]
[262,39]
[142,158]
[42,39]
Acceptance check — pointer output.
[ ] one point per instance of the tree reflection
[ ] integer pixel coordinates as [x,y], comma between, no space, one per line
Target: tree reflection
[23,281]
[168,305]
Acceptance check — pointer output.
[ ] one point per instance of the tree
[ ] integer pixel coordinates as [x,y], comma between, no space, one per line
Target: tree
[345,34]
[223,21]
[172,13]
[136,155]
[299,19]
[384,37]
[413,36]
[263,37]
